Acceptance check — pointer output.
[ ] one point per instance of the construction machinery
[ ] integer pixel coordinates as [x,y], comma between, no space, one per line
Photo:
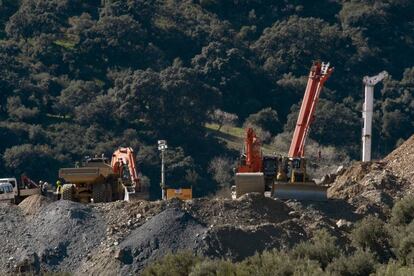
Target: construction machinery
[255,172]
[287,176]
[100,180]
[292,180]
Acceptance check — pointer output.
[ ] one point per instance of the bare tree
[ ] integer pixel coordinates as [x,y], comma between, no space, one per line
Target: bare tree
[222,118]
[221,169]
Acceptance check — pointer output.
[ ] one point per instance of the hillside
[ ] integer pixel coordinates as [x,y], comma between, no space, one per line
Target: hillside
[81,78]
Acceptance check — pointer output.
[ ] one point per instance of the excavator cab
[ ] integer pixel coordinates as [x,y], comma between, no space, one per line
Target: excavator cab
[270,166]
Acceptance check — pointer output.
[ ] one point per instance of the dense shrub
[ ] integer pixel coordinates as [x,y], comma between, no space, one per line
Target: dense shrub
[405,248]
[394,269]
[215,267]
[371,234]
[279,263]
[173,264]
[403,211]
[361,263]
[322,248]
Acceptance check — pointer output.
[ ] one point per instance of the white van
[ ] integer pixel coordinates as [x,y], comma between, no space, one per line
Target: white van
[6,191]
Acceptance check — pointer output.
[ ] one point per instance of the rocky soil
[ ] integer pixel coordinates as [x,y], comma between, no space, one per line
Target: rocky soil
[123,237]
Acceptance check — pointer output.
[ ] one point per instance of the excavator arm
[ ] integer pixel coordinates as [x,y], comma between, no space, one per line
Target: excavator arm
[319,74]
[292,180]
[249,174]
[253,154]
[125,158]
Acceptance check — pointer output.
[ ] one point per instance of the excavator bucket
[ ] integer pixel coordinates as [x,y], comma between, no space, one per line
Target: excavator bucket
[300,191]
[249,183]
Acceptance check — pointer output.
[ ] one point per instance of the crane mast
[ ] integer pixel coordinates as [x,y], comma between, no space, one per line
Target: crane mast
[318,75]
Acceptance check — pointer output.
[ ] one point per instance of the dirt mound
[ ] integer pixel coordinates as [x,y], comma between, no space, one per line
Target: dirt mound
[33,204]
[237,243]
[57,238]
[250,209]
[169,231]
[373,187]
[233,229]
[12,221]
[370,187]
[401,161]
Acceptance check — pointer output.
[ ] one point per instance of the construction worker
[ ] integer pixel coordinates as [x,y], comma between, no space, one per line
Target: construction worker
[58,188]
[44,188]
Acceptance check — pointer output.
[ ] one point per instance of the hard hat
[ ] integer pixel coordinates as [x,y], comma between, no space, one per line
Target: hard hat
[41,182]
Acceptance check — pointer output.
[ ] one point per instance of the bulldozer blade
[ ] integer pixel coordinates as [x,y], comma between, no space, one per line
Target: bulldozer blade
[249,183]
[300,191]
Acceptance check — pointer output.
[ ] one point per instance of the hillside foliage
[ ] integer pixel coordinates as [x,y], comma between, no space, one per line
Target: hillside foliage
[81,78]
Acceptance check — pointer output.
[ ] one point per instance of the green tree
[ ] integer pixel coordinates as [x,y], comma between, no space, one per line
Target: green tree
[38,162]
[267,119]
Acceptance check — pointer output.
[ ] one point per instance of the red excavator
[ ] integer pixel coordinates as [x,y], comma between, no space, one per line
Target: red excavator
[255,172]
[123,165]
[98,180]
[251,160]
[292,180]
[286,177]
[249,175]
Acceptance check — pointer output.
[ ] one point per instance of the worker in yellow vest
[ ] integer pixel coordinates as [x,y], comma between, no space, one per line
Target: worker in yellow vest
[59,188]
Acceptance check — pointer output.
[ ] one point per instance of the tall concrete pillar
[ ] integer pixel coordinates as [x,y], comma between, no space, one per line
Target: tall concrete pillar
[367,112]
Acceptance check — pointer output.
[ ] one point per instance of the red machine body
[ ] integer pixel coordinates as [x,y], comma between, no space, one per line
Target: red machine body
[125,158]
[318,75]
[252,161]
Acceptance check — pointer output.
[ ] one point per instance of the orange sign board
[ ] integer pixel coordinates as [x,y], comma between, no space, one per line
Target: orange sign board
[182,193]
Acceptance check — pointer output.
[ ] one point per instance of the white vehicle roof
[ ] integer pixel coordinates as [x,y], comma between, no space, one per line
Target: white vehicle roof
[7,179]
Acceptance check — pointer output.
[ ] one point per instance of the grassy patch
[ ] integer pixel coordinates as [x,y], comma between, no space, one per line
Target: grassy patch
[69,45]
[234,137]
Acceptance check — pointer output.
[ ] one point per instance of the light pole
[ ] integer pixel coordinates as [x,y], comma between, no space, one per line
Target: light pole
[162,146]
[367,113]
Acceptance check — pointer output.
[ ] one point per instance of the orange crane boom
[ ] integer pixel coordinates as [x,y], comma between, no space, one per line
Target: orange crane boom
[319,74]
